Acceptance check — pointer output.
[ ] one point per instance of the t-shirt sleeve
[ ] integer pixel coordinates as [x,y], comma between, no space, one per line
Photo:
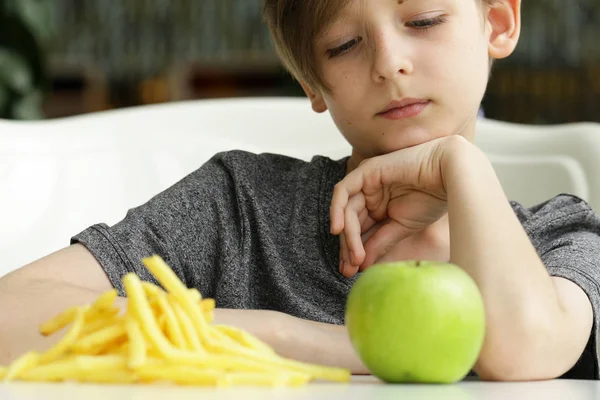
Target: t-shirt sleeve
[194,225]
[566,233]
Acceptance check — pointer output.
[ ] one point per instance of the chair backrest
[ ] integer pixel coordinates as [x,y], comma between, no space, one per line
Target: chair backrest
[535,163]
[59,176]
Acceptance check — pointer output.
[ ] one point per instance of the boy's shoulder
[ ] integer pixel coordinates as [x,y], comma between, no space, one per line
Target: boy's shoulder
[564,217]
[563,206]
[273,168]
[270,160]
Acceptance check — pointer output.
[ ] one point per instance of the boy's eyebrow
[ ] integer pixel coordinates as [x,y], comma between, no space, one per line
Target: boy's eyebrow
[341,15]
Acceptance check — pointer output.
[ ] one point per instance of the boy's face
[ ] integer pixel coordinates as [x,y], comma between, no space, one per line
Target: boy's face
[433,53]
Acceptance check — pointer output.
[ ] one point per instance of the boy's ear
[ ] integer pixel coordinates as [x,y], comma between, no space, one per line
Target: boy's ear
[504,26]
[316,98]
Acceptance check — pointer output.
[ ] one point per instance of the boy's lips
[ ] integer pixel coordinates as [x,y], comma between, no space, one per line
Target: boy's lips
[404,108]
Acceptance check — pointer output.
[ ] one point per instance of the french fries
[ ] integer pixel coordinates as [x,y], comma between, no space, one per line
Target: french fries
[164,336]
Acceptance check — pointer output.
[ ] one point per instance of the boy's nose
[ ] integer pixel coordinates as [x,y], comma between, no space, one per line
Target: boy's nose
[389,60]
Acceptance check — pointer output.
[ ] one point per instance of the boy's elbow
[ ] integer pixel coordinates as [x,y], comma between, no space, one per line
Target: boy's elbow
[505,370]
[509,367]
[540,343]
[527,357]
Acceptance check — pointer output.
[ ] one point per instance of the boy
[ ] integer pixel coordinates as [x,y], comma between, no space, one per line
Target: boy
[402,79]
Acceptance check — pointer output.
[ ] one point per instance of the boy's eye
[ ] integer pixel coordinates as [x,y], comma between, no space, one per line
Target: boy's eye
[343,48]
[422,24]
[427,23]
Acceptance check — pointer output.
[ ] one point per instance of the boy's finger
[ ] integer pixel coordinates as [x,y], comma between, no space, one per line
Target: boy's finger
[382,241]
[370,227]
[346,268]
[336,215]
[350,270]
[339,201]
[366,222]
[352,230]
[343,191]
[343,252]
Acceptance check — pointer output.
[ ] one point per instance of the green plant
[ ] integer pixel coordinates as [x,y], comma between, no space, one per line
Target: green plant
[25,28]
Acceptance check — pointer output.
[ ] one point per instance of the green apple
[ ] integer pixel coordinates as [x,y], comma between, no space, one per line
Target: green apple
[416,321]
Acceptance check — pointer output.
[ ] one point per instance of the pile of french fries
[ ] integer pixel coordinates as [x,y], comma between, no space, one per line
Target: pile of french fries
[164,336]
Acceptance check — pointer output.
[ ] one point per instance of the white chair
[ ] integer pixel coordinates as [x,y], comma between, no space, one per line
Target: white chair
[535,163]
[59,176]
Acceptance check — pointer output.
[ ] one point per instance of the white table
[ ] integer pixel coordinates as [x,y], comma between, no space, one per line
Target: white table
[360,388]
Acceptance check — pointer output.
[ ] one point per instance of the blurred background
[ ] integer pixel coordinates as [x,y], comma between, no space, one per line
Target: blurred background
[67,57]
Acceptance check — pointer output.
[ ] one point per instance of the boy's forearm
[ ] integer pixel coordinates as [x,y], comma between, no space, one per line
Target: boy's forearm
[327,345]
[298,339]
[488,241]
[26,304]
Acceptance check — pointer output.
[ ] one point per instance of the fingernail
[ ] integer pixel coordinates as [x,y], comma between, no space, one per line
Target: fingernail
[344,267]
[352,258]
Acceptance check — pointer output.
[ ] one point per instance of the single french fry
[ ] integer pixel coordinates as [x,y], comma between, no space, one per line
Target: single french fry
[117,375]
[152,292]
[221,343]
[187,328]
[245,339]
[67,340]
[207,304]
[103,303]
[151,289]
[137,343]
[100,323]
[99,369]
[233,363]
[180,374]
[121,349]
[100,363]
[208,309]
[153,351]
[173,327]
[162,323]
[318,371]
[60,321]
[56,371]
[195,294]
[158,362]
[165,276]
[209,316]
[100,339]
[21,365]
[153,304]
[298,379]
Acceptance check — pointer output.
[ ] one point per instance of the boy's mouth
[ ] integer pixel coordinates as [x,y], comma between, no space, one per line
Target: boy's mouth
[405,108]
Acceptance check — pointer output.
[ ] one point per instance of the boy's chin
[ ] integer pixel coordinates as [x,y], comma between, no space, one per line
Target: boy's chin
[398,140]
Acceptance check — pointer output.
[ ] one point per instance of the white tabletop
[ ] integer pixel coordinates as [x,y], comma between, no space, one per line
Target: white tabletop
[360,388]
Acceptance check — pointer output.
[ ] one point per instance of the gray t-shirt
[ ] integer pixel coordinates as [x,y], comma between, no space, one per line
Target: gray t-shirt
[252,232]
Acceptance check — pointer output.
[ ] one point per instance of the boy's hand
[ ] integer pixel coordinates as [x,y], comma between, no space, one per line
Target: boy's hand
[387,199]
